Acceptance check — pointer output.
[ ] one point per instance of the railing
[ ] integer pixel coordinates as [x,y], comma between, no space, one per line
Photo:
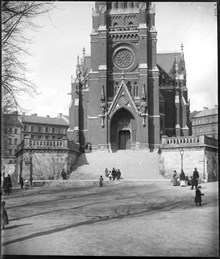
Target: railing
[188,141]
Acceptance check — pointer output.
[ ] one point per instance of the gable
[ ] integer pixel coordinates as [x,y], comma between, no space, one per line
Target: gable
[123,99]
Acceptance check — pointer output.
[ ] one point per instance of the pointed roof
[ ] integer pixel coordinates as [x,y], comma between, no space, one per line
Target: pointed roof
[166,62]
[122,99]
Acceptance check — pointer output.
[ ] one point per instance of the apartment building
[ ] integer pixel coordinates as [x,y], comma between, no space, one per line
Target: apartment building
[205,122]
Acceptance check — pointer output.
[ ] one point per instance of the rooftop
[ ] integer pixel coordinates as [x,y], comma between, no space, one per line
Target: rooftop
[43,120]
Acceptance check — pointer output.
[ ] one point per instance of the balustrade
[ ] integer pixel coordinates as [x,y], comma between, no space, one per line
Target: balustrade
[189,141]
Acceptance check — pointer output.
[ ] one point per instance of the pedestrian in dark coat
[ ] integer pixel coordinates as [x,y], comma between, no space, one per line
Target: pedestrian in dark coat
[101,181]
[198,199]
[6,187]
[195,178]
[22,182]
[63,174]
[9,182]
[4,215]
[182,178]
[113,174]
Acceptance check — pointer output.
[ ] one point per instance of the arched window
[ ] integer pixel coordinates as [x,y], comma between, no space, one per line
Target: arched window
[115,24]
[130,24]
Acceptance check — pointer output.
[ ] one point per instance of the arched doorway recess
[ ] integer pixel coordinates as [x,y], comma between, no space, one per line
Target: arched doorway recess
[123,130]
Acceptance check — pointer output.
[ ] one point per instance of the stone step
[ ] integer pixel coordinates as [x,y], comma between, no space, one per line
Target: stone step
[132,164]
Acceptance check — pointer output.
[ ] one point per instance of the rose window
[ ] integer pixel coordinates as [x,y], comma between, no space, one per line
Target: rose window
[124,58]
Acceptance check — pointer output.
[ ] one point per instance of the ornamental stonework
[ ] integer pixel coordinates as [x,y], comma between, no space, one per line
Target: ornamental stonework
[124,58]
[123,100]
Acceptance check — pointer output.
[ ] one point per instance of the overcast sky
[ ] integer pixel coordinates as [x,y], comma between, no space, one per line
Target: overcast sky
[66,31]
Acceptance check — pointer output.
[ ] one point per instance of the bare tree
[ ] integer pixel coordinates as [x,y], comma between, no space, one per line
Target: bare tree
[17,18]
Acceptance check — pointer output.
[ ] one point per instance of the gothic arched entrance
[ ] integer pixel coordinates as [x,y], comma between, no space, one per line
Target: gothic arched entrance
[123,130]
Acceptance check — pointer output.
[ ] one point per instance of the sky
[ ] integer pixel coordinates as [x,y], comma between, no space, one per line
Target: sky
[66,30]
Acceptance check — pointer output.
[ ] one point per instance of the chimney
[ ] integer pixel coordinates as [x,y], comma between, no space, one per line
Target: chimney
[60,115]
[48,116]
[34,114]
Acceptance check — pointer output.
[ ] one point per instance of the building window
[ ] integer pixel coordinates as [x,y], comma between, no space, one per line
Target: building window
[10,141]
[10,130]
[207,120]
[25,127]
[135,90]
[39,129]
[46,129]
[53,137]
[46,137]
[53,130]
[130,24]
[32,136]
[10,152]
[213,119]
[32,128]
[16,131]
[15,141]
[200,129]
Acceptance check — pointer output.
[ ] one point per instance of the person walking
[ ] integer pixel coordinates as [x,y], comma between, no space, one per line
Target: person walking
[101,181]
[198,199]
[6,187]
[182,178]
[175,178]
[113,174]
[195,178]
[9,182]
[63,174]
[22,182]
[4,215]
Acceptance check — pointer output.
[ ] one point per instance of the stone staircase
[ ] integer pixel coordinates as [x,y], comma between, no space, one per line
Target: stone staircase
[134,165]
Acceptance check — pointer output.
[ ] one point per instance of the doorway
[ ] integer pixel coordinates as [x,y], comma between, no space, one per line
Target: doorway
[124,139]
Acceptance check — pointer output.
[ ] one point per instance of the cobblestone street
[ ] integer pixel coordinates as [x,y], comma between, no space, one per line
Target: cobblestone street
[122,219]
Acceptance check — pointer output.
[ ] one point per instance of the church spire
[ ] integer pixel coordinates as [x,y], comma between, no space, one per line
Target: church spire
[175,66]
[182,58]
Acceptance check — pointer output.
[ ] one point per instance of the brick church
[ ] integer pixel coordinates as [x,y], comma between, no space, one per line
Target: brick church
[126,95]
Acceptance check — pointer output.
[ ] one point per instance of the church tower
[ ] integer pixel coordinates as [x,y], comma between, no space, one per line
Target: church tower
[115,96]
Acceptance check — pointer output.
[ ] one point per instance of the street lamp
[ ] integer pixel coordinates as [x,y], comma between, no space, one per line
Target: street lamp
[31,167]
[181,153]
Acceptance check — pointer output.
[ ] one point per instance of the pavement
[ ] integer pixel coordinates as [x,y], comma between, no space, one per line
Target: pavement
[121,219]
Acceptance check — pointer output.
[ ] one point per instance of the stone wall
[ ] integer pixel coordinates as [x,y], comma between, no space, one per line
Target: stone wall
[170,159]
[46,165]
[200,152]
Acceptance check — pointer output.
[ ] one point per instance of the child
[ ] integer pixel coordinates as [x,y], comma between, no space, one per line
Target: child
[198,198]
[4,215]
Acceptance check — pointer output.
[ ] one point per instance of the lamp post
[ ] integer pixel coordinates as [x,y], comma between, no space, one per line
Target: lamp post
[31,167]
[181,153]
